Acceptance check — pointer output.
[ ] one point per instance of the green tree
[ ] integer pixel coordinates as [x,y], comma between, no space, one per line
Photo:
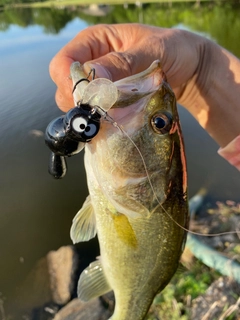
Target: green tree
[52,19]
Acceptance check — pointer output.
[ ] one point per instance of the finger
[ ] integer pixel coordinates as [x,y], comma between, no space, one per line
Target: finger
[95,42]
[118,65]
[60,74]
[114,65]
[89,44]
[63,101]
[59,70]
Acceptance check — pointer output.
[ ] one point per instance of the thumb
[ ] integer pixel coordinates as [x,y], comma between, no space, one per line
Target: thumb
[113,66]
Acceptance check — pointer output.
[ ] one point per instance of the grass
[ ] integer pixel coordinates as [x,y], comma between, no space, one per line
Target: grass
[176,299]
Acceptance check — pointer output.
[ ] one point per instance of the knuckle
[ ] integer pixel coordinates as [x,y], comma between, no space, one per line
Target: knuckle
[123,60]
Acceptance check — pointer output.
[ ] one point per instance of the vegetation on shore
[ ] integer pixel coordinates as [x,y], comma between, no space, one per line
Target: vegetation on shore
[57,3]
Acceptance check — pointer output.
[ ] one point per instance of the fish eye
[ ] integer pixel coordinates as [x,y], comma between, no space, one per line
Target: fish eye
[161,122]
[91,130]
[79,124]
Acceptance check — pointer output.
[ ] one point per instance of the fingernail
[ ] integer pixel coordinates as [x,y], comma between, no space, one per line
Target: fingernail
[100,71]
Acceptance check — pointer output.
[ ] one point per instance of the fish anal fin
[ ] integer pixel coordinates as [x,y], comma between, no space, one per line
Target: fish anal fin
[84,223]
[92,282]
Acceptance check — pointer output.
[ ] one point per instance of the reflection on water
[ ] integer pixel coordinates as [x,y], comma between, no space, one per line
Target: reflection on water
[36,211]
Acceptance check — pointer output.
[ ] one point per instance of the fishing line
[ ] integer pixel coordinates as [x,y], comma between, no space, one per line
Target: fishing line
[114,123]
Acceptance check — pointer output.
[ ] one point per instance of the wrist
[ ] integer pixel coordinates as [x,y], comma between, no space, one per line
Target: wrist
[215,91]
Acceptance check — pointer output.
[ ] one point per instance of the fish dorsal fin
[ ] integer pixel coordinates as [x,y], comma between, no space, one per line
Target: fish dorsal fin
[84,223]
[92,282]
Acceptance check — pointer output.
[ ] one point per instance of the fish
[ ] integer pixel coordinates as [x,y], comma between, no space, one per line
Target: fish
[138,201]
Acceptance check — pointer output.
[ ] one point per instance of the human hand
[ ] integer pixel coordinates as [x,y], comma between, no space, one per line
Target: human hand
[118,51]
[202,75]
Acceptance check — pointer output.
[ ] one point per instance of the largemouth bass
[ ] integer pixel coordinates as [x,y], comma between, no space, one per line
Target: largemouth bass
[136,174]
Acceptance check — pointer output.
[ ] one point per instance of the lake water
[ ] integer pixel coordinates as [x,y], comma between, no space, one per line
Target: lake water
[35,210]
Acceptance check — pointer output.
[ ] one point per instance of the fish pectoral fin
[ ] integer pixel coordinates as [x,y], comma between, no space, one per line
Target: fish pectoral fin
[84,223]
[92,282]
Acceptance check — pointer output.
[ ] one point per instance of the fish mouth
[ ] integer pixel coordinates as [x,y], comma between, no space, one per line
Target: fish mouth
[130,115]
[134,92]
[138,86]
[119,94]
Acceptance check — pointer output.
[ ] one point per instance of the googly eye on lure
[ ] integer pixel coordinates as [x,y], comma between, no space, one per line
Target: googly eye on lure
[82,123]
[67,135]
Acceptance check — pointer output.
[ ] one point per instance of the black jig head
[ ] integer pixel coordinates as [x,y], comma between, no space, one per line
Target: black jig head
[67,135]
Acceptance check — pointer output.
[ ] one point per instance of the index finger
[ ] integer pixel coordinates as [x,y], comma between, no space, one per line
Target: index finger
[89,44]
[59,67]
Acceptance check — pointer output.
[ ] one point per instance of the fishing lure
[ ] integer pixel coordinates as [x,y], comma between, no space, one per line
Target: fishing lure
[67,134]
